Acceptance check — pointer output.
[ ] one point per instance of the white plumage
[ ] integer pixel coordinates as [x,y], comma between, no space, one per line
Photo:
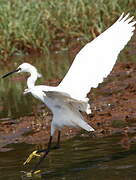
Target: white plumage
[97,58]
[91,65]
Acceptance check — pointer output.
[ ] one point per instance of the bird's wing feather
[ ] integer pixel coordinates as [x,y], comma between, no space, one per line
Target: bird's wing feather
[97,58]
[66,99]
[69,108]
[62,96]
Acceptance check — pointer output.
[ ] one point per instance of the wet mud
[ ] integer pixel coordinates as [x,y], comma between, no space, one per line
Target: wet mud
[113,106]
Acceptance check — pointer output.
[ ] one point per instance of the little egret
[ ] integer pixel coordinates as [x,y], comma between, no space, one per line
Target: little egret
[93,63]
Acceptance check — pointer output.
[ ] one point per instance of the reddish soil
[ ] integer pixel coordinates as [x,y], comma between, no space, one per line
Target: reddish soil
[113,112]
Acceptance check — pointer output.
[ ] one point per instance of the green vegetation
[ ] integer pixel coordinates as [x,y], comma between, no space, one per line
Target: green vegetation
[43,25]
[118,123]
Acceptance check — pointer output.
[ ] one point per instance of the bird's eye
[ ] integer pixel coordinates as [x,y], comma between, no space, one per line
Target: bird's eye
[19,69]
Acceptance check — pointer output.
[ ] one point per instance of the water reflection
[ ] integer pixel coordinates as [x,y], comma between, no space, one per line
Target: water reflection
[78,158]
[13,103]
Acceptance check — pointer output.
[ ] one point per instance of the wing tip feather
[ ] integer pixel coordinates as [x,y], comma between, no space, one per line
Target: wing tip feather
[126,18]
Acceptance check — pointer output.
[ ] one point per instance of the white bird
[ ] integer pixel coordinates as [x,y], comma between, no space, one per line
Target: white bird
[93,63]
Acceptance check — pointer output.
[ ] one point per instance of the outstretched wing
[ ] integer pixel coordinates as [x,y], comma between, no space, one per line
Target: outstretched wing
[97,58]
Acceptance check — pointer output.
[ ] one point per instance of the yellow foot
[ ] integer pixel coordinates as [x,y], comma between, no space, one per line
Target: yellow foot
[31,174]
[31,156]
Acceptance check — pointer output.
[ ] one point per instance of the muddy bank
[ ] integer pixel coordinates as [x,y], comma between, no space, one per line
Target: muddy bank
[113,112]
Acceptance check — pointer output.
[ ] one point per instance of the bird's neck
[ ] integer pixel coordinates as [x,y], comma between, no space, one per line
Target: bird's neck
[31,80]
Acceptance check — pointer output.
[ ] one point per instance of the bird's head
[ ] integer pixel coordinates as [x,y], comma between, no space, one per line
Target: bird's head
[25,67]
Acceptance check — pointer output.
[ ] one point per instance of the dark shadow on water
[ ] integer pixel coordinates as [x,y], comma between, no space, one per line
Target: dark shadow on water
[86,165]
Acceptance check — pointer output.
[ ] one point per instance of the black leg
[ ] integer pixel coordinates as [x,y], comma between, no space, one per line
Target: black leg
[45,151]
[58,140]
[45,154]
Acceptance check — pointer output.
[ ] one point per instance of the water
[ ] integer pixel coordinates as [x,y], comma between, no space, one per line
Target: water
[78,159]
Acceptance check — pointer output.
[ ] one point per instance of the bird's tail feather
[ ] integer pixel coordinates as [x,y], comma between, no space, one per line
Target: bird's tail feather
[79,120]
[84,125]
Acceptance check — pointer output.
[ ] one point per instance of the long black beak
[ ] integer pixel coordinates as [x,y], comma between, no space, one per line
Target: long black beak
[11,73]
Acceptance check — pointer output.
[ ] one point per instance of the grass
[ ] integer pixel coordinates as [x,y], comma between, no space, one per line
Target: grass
[44,25]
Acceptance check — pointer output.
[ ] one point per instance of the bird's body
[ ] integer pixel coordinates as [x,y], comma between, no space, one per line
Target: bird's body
[66,110]
[93,63]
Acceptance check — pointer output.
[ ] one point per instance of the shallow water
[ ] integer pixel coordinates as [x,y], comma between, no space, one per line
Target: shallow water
[77,159]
